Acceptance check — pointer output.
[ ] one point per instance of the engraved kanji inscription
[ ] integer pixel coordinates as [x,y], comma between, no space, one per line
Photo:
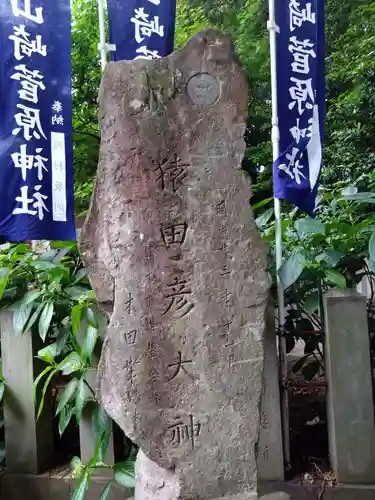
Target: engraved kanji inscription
[131,337]
[225,271]
[178,293]
[226,296]
[129,304]
[184,432]
[175,368]
[148,322]
[171,173]
[149,300]
[129,367]
[220,208]
[226,325]
[173,235]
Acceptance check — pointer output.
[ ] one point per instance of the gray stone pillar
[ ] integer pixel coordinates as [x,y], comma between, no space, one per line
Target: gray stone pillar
[28,443]
[350,399]
[270,447]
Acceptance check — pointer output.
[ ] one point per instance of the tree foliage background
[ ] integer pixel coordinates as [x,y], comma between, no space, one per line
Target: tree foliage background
[350,128]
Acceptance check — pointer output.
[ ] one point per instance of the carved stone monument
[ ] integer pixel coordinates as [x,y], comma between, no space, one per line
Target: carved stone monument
[175,258]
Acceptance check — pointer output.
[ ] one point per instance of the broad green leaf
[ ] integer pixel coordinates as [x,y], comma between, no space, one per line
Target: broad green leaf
[63,244]
[70,364]
[102,445]
[44,390]
[332,257]
[371,247]
[91,317]
[262,203]
[106,491]
[2,389]
[335,278]
[81,274]
[349,190]
[67,395]
[101,422]
[80,399]
[33,318]
[292,269]
[91,337]
[124,474]
[45,319]
[32,295]
[82,487]
[264,218]
[309,226]
[76,292]
[77,314]
[21,314]
[65,417]
[62,338]
[48,353]
[3,282]
[312,303]
[44,265]
[38,379]
[366,197]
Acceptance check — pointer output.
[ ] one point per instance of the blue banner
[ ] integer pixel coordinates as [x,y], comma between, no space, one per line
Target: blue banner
[141,29]
[301,100]
[36,174]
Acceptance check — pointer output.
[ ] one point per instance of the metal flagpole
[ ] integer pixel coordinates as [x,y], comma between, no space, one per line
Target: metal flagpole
[283,368]
[102,44]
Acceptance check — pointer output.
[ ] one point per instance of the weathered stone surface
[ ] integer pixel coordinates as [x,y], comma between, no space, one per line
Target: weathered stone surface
[175,257]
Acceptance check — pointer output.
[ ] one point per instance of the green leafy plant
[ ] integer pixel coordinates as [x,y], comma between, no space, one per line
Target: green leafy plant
[49,294]
[335,249]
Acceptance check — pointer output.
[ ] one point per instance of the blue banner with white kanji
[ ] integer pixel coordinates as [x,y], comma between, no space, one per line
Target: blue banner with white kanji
[36,165]
[141,29]
[301,100]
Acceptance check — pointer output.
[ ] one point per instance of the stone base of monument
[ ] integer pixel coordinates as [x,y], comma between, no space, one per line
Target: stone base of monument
[280,495]
[156,483]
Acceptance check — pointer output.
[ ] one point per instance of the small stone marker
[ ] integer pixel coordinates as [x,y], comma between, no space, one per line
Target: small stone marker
[350,404]
[175,257]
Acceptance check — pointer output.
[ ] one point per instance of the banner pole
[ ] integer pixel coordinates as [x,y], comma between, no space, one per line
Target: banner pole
[283,367]
[102,44]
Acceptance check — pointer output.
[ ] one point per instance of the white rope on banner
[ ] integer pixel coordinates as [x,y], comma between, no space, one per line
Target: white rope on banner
[283,367]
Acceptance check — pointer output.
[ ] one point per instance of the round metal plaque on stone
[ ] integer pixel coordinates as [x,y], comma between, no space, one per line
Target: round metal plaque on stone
[203,89]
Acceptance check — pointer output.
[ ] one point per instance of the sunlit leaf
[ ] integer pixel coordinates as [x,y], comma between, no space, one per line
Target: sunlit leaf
[80,399]
[22,312]
[336,278]
[67,395]
[65,417]
[70,364]
[44,391]
[45,319]
[48,353]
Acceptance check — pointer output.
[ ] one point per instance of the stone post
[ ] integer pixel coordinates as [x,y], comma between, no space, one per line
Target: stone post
[350,398]
[270,447]
[28,443]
